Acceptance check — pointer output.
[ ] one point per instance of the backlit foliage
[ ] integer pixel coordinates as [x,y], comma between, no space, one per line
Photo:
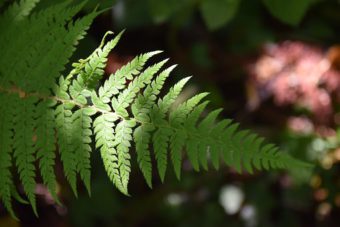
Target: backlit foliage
[44,113]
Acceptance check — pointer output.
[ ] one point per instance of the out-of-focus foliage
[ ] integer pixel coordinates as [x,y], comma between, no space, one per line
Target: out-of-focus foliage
[215,13]
[288,11]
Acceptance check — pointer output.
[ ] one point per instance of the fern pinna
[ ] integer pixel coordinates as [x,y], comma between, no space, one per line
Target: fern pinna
[43,112]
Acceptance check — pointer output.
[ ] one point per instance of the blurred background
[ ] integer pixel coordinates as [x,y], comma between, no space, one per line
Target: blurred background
[274,66]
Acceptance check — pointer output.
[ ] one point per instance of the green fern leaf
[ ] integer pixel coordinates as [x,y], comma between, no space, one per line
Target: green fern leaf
[63,116]
[17,11]
[46,49]
[6,140]
[160,144]
[82,138]
[190,124]
[123,100]
[162,136]
[204,129]
[103,129]
[95,64]
[237,144]
[40,116]
[123,138]
[141,111]
[177,118]
[144,102]
[228,143]
[142,137]
[24,146]
[164,104]
[216,147]
[45,144]
[117,81]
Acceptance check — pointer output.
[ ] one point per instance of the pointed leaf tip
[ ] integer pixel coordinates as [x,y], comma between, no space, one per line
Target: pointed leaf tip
[152,53]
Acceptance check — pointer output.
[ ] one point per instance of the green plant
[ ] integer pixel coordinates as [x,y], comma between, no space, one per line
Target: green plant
[216,14]
[44,112]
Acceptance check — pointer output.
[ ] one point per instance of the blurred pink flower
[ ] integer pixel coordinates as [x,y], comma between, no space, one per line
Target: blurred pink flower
[300,125]
[296,73]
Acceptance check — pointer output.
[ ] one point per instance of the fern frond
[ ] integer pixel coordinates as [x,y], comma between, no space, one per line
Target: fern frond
[145,101]
[164,104]
[204,130]
[17,11]
[177,118]
[117,81]
[63,116]
[82,139]
[123,138]
[103,129]
[190,123]
[141,109]
[142,137]
[162,135]
[160,142]
[120,103]
[45,144]
[6,141]
[55,31]
[95,63]
[23,145]
[41,117]
[216,149]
